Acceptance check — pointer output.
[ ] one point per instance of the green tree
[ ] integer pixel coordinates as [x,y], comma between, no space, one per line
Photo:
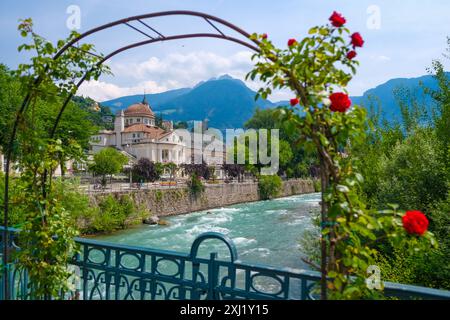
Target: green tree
[172,168]
[269,186]
[108,161]
[294,160]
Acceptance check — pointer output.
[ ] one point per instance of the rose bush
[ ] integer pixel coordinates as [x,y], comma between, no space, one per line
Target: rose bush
[317,69]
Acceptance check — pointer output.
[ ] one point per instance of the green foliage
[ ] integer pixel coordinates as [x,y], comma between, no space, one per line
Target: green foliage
[108,161]
[407,163]
[47,229]
[294,161]
[47,234]
[195,185]
[172,168]
[412,174]
[310,241]
[114,213]
[269,186]
[314,68]
[101,116]
[317,186]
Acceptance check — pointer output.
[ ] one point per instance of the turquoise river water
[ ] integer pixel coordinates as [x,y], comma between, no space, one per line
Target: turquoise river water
[265,232]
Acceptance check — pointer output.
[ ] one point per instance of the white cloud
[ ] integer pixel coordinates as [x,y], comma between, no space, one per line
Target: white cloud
[185,70]
[380,58]
[174,71]
[101,91]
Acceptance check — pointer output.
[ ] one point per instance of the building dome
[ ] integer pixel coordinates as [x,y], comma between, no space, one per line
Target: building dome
[139,110]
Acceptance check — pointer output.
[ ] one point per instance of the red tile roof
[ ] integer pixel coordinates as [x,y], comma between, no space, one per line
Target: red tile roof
[150,132]
[139,109]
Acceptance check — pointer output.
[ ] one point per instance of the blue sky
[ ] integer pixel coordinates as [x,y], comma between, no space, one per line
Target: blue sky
[411,33]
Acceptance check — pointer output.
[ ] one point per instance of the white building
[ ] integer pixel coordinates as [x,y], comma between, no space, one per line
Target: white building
[136,133]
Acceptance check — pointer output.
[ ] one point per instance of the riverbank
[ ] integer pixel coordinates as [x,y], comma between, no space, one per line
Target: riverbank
[179,200]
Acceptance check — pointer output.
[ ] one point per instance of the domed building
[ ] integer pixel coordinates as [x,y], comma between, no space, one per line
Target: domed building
[135,132]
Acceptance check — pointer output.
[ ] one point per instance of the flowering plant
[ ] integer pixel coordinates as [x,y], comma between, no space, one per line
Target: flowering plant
[317,69]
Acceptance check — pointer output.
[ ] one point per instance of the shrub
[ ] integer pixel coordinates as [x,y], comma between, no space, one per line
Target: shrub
[114,214]
[146,170]
[317,186]
[195,185]
[269,186]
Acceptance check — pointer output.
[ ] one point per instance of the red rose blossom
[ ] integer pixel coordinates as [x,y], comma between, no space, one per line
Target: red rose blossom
[357,40]
[264,36]
[291,42]
[294,101]
[415,222]
[340,102]
[351,54]
[337,20]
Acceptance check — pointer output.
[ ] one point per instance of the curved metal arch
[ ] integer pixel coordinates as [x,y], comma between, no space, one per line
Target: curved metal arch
[214,235]
[205,16]
[124,21]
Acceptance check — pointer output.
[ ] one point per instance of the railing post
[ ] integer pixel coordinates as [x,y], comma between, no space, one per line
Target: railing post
[304,289]
[213,277]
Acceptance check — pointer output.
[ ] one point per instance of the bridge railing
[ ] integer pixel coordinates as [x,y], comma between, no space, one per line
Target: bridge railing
[106,271]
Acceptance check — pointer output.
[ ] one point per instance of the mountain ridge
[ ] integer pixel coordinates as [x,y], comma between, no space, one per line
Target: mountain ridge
[227,102]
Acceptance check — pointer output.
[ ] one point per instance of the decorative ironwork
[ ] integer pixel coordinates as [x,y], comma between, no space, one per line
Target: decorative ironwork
[106,271]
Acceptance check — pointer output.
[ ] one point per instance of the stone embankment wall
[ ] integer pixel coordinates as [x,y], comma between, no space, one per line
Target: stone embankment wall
[177,200]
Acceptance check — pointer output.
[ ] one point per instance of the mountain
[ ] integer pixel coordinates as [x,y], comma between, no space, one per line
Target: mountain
[225,101]
[385,94]
[155,99]
[229,103]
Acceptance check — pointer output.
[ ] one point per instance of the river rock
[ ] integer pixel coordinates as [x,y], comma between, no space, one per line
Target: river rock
[163,222]
[151,220]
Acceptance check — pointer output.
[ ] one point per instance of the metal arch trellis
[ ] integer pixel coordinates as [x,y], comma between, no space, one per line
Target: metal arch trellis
[160,37]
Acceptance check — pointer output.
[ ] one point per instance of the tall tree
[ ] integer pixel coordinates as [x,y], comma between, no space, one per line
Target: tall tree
[108,161]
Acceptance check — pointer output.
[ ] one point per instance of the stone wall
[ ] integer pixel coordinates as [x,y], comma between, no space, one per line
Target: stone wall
[172,201]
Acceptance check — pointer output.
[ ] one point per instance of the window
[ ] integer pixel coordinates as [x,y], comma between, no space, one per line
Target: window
[131,121]
[165,154]
[138,119]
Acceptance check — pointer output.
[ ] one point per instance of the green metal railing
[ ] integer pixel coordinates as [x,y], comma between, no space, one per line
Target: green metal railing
[106,271]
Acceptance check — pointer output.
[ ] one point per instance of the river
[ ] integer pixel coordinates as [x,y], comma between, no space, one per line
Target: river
[266,232]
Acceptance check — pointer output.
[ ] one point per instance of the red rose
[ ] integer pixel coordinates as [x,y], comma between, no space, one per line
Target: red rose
[415,222]
[340,102]
[291,42]
[264,36]
[337,20]
[351,54]
[294,101]
[357,40]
